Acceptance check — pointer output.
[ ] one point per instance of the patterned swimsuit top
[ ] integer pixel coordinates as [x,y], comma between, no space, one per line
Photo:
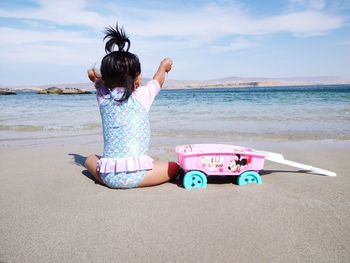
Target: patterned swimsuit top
[126,129]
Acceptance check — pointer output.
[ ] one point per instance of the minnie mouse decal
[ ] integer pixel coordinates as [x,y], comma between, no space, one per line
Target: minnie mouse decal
[237,163]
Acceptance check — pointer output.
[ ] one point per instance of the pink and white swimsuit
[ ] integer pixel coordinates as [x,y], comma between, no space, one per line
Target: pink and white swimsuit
[126,133]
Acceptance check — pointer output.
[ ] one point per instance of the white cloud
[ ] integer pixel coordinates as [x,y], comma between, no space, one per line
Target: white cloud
[63,12]
[50,48]
[203,26]
[151,30]
[214,21]
[204,21]
[299,23]
[23,37]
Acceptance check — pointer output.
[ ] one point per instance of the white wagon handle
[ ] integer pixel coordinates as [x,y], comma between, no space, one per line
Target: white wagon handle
[278,158]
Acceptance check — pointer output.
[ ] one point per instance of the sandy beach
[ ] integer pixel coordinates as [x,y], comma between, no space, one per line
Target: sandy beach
[273,76]
[51,210]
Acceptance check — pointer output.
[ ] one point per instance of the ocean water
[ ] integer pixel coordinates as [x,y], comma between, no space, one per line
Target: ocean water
[244,114]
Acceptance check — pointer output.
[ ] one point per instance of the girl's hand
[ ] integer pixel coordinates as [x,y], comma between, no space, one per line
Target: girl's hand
[166,63]
[164,67]
[93,75]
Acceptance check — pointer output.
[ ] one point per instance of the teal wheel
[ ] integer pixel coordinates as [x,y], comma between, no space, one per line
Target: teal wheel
[249,177]
[195,179]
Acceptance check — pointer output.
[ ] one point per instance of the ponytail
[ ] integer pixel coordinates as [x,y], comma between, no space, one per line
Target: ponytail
[116,37]
[119,67]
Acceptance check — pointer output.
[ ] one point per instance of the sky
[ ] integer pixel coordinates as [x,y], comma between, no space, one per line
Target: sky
[55,42]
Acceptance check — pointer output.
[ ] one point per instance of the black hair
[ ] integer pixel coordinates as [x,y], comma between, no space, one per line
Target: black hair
[120,67]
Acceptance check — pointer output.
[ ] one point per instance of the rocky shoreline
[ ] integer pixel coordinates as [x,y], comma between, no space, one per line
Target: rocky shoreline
[7,92]
[65,91]
[50,90]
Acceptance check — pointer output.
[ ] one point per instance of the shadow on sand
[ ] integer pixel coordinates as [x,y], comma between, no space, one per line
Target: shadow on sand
[80,161]
[229,179]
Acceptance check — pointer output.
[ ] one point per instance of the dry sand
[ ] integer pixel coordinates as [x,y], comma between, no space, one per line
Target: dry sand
[51,211]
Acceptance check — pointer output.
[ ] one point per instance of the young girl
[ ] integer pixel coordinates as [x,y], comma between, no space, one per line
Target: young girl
[124,106]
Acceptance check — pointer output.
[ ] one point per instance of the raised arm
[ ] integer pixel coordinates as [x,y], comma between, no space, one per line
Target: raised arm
[164,67]
[93,75]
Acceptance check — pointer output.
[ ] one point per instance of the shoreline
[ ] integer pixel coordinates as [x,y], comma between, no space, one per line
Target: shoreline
[157,140]
[184,85]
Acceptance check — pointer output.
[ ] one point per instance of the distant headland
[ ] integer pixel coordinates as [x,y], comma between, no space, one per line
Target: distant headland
[229,82]
[239,82]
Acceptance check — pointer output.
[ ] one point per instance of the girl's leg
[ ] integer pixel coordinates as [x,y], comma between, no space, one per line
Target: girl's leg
[162,172]
[90,165]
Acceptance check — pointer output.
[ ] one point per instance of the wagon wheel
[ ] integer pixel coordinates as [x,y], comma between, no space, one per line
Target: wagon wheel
[249,177]
[195,179]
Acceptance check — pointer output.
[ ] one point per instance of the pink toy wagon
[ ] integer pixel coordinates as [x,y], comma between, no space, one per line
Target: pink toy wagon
[201,160]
